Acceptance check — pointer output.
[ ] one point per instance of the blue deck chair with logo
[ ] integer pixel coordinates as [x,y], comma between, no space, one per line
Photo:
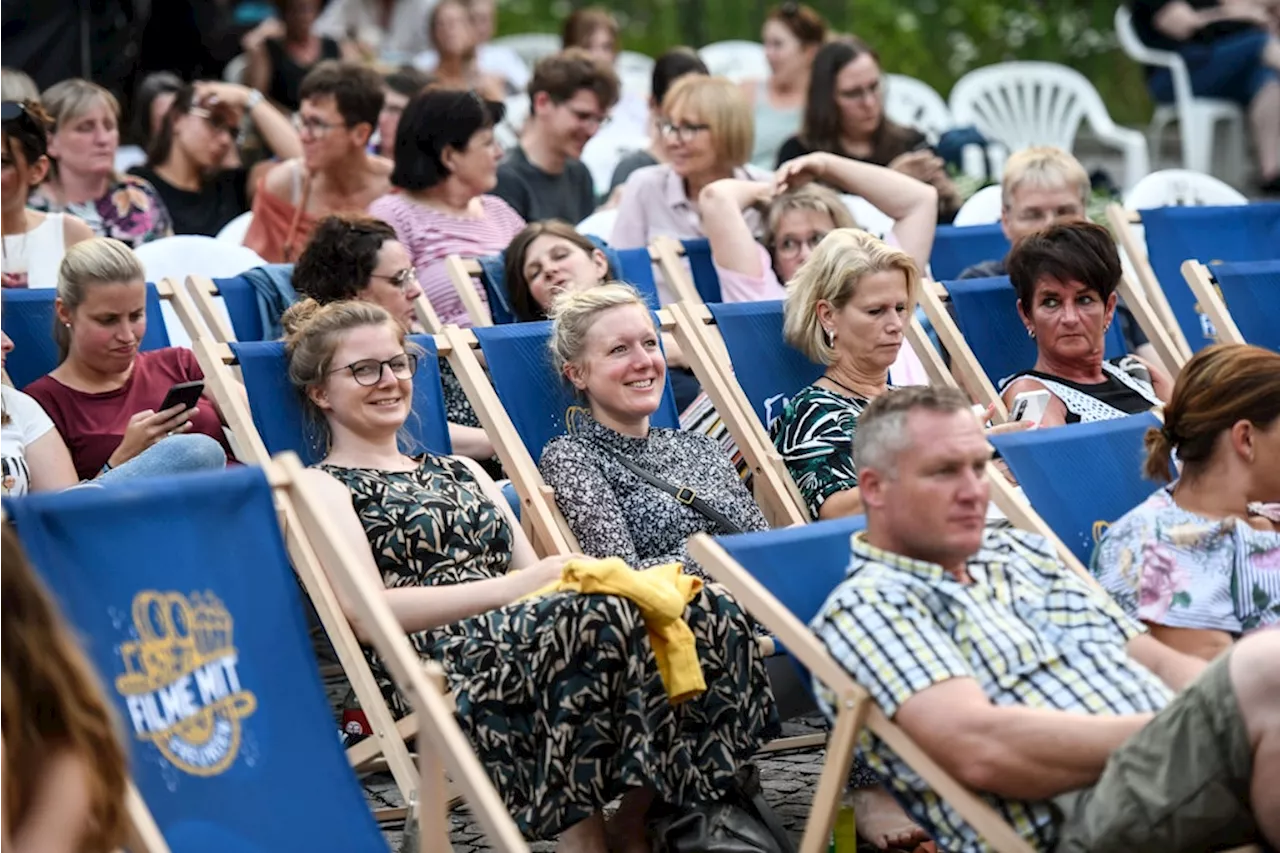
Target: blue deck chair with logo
[1211,235]
[1081,477]
[199,638]
[279,417]
[28,321]
[986,311]
[958,247]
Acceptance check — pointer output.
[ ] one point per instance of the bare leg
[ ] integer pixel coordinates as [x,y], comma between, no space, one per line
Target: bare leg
[626,829]
[586,836]
[1264,120]
[1255,675]
[882,821]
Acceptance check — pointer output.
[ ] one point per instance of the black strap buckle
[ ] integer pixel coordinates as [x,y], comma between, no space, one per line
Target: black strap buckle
[686,495]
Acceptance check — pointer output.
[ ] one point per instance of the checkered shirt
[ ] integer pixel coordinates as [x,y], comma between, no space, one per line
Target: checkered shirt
[1028,630]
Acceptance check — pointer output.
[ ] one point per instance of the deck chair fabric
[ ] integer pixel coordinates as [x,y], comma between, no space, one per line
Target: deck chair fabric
[958,247]
[278,414]
[769,370]
[28,319]
[1252,295]
[703,268]
[201,644]
[986,312]
[1209,235]
[1081,477]
[534,395]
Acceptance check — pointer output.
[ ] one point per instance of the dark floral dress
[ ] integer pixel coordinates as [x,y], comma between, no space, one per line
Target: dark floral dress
[814,437]
[131,211]
[560,695]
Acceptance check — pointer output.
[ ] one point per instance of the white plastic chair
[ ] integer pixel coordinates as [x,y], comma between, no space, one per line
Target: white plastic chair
[531,47]
[983,207]
[1197,118]
[517,110]
[1020,104]
[870,218]
[914,103]
[599,224]
[1181,188]
[234,231]
[736,59]
[181,256]
[635,71]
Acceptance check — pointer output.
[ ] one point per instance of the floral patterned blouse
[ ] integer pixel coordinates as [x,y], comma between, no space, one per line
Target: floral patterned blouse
[1171,567]
[131,211]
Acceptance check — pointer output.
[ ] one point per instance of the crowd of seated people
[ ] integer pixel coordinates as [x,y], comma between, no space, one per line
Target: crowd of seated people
[1010,673]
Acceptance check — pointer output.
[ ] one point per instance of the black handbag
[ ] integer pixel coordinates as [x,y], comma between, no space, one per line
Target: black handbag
[742,822]
[684,494]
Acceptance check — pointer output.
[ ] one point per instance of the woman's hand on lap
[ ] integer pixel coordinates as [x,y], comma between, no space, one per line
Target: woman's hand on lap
[147,427]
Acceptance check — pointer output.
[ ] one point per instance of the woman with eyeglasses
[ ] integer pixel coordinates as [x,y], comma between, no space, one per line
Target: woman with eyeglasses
[845,115]
[199,130]
[34,242]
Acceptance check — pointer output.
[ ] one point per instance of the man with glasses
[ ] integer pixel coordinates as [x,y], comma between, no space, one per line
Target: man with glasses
[543,177]
[340,105]
[1045,186]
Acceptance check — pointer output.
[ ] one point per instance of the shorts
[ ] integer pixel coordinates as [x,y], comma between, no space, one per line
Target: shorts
[1229,67]
[1179,784]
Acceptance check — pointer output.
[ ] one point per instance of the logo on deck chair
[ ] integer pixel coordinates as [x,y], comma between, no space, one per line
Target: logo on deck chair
[180,681]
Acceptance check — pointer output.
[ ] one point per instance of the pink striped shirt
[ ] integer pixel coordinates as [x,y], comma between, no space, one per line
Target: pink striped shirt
[431,236]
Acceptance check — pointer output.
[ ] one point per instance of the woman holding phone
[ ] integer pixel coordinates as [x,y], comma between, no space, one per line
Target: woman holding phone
[105,397]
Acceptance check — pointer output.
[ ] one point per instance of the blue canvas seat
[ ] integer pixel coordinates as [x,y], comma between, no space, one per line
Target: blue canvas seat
[1081,477]
[29,320]
[958,247]
[1252,294]
[769,370]
[242,307]
[193,620]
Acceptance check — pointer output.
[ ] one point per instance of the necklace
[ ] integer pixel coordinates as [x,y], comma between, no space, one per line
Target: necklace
[859,394]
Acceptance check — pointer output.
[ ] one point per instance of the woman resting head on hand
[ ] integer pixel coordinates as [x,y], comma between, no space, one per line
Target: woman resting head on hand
[64,767]
[1199,560]
[558,668]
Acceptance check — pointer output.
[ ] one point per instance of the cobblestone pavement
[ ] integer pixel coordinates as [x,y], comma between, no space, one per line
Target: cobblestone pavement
[789,780]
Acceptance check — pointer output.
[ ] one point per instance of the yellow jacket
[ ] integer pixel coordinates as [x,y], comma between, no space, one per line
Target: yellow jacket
[661,593]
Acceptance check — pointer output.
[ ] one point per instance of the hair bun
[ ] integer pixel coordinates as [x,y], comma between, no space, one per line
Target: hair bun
[296,318]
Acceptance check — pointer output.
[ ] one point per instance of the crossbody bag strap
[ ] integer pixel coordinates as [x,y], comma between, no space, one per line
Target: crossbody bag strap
[684,494]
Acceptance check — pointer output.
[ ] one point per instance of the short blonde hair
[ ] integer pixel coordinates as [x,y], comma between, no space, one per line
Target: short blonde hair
[574,312]
[718,103]
[1043,167]
[832,274]
[813,197]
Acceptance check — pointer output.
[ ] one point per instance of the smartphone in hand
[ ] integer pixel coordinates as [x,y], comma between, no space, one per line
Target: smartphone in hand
[185,393]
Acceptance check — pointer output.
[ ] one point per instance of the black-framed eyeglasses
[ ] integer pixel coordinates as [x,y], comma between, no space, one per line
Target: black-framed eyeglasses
[313,126]
[684,131]
[368,371]
[400,278]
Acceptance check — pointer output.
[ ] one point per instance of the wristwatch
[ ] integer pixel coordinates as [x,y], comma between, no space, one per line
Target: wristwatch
[255,98]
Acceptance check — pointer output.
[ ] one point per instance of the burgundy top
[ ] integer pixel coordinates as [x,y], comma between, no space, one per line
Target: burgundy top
[93,424]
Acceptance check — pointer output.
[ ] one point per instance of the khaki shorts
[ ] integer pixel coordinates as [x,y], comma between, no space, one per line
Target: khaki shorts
[1180,784]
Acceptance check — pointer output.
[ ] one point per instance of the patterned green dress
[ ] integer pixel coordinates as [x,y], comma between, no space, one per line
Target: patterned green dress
[814,437]
[560,695]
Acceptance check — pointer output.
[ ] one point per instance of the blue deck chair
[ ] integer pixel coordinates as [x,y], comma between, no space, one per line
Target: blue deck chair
[1209,235]
[242,306]
[533,394]
[28,321]
[634,266]
[193,620]
[769,371]
[1252,294]
[986,311]
[1082,477]
[955,248]
[705,278]
[278,414]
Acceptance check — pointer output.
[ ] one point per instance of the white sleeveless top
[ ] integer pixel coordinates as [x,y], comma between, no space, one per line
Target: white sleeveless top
[36,255]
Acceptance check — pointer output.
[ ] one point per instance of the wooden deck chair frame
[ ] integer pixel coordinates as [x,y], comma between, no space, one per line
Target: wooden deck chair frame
[668,253]
[1201,282]
[387,742]
[1147,299]
[964,364]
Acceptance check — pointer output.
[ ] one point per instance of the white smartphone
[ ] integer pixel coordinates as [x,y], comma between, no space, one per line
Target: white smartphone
[1030,406]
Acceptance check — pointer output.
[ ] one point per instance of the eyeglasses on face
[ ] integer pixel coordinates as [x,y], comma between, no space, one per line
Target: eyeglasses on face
[789,247]
[400,278]
[684,131]
[368,371]
[217,123]
[313,126]
[870,91]
[589,117]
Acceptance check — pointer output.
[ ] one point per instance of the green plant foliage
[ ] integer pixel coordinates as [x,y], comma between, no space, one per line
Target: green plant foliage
[936,41]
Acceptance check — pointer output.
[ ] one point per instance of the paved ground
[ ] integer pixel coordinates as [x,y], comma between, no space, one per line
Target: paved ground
[789,781]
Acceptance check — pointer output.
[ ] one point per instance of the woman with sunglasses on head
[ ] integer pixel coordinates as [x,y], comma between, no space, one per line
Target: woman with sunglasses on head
[34,242]
[844,115]
[199,130]
[358,257]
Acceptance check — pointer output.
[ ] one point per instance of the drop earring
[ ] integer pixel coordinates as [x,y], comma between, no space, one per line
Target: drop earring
[830,336]
[1031,333]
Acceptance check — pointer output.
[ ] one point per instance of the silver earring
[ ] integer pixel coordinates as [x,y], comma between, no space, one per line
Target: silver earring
[1031,333]
[830,335]
[68,325]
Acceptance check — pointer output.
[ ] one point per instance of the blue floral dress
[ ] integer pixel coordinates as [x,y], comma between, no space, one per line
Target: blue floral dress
[1168,566]
[131,211]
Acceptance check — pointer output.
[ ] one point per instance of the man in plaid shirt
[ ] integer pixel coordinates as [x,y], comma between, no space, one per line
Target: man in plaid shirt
[1025,682]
